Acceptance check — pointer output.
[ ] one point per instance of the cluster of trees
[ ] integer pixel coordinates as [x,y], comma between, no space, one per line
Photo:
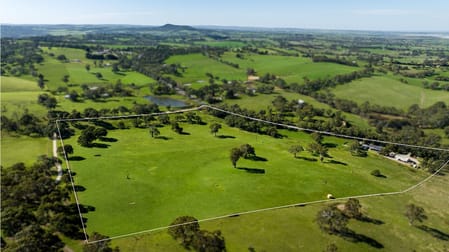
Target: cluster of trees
[46,100]
[90,134]
[19,58]
[35,209]
[186,230]
[337,59]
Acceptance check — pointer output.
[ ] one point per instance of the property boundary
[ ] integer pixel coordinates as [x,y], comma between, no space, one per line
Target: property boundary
[413,187]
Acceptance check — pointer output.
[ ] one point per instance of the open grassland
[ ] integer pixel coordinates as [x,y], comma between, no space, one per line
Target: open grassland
[15,103]
[229,43]
[54,70]
[197,65]
[385,91]
[14,84]
[294,229]
[15,149]
[291,69]
[139,183]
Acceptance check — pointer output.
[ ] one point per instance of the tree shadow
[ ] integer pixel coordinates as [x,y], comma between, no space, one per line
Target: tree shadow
[257,159]
[225,137]
[380,176]
[252,170]
[86,208]
[163,138]
[108,139]
[307,159]
[337,162]
[79,188]
[185,133]
[434,232]
[354,237]
[367,219]
[330,145]
[104,124]
[100,145]
[76,158]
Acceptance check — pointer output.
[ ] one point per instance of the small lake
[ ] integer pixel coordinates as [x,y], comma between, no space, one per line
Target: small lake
[166,101]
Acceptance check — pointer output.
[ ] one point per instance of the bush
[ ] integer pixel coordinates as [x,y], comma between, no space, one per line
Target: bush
[376,173]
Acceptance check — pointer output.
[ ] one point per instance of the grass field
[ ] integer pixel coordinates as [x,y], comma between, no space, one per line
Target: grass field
[192,175]
[23,149]
[53,70]
[293,229]
[385,91]
[196,70]
[14,84]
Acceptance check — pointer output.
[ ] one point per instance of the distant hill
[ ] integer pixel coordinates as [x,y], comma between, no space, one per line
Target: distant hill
[172,27]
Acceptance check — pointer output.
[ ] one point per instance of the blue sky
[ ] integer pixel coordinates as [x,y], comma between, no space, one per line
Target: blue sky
[405,15]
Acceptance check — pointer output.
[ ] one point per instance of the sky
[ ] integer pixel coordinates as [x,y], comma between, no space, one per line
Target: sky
[384,15]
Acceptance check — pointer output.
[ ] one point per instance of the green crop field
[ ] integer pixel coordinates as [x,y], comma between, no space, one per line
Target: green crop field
[385,91]
[140,183]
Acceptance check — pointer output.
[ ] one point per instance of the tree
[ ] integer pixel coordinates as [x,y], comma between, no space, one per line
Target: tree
[64,151]
[35,238]
[176,128]
[214,127]
[154,132]
[295,149]
[415,213]
[318,150]
[236,154]
[47,101]
[247,151]
[99,75]
[331,220]
[87,67]
[115,68]
[65,78]
[317,137]
[352,208]
[101,246]
[183,229]
[41,81]
[61,57]
[204,240]
[356,149]
[280,103]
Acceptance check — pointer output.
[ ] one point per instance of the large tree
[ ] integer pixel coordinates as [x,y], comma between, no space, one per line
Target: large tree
[214,127]
[295,149]
[64,151]
[415,213]
[247,151]
[235,155]
[154,132]
[318,149]
[331,220]
[183,229]
[352,208]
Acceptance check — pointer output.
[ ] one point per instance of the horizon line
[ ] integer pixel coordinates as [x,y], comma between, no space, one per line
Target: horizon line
[233,26]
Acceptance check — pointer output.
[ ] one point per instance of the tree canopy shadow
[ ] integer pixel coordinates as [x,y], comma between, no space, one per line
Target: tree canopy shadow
[76,158]
[163,138]
[337,162]
[185,133]
[308,159]
[355,237]
[257,158]
[330,145]
[225,137]
[365,218]
[108,139]
[252,170]
[104,124]
[80,188]
[434,232]
[100,145]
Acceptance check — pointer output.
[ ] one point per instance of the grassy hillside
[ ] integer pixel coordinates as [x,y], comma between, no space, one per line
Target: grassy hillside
[385,91]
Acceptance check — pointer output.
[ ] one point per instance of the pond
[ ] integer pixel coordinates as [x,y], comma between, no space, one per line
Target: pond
[166,101]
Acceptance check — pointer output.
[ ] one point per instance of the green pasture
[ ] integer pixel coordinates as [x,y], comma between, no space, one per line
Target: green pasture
[139,183]
[15,103]
[266,231]
[14,84]
[385,91]
[54,70]
[291,69]
[15,149]
[197,65]
[227,43]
